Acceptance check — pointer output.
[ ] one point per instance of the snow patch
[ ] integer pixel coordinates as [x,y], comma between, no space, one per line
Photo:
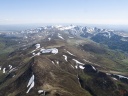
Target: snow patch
[108,74]
[70,53]
[13,75]
[31,86]
[91,62]
[31,83]
[33,54]
[40,91]
[4,70]
[37,46]
[38,54]
[81,67]
[93,67]
[49,39]
[57,62]
[13,69]
[10,66]
[52,50]
[120,76]
[33,51]
[53,62]
[114,78]
[76,66]
[25,37]
[77,61]
[72,66]
[87,61]
[65,57]
[59,35]
[45,51]
[65,27]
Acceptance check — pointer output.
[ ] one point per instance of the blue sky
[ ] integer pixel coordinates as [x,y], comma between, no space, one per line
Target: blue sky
[64,11]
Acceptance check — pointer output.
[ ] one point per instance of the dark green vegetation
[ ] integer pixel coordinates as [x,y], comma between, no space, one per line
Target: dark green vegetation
[115,42]
[114,60]
[7,45]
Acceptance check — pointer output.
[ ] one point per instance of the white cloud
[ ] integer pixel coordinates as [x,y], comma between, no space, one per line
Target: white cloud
[106,21]
[6,21]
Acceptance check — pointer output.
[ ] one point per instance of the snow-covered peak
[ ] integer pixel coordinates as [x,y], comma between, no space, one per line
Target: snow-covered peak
[60,27]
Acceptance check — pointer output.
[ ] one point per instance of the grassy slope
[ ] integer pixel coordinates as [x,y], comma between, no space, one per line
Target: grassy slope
[7,45]
[110,59]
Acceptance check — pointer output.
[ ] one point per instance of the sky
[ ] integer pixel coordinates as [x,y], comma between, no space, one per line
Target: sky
[64,11]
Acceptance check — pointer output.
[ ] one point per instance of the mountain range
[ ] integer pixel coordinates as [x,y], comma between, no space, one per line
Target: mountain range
[64,61]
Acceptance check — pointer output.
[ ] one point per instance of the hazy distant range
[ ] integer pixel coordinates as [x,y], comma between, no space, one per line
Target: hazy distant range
[19,27]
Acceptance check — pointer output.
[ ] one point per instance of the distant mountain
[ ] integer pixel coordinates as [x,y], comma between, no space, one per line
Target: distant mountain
[113,39]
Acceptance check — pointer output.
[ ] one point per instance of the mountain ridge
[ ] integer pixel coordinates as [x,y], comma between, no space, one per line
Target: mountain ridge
[52,62]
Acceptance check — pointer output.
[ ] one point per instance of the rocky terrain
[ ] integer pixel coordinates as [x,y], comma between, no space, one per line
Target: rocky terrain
[63,61]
